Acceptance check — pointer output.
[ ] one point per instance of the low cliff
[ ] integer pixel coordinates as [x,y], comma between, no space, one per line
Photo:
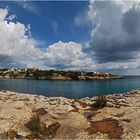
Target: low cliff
[55,75]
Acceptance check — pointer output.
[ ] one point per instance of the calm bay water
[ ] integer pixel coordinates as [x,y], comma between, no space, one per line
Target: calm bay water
[71,89]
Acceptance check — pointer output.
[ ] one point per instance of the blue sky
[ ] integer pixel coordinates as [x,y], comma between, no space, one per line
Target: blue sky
[51,21]
[71,35]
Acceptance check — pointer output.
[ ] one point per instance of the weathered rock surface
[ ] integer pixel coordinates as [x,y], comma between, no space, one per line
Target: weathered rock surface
[62,118]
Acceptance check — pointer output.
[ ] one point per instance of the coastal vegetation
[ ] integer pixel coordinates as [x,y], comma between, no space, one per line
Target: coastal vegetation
[100,102]
[54,75]
[34,124]
[39,130]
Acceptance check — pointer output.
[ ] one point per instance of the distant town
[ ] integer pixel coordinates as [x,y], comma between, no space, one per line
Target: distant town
[34,73]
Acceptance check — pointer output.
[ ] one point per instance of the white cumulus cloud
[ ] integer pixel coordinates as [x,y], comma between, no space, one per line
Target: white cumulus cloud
[19,49]
[68,56]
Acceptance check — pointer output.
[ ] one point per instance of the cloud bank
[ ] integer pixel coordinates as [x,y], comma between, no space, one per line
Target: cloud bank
[115,40]
[19,49]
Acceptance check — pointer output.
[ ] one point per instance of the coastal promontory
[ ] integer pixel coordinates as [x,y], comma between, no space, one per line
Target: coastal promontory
[55,75]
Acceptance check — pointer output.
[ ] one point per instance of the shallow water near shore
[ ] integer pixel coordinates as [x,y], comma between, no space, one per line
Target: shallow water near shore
[71,89]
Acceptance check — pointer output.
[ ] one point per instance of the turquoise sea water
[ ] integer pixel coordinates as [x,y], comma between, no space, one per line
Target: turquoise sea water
[71,89]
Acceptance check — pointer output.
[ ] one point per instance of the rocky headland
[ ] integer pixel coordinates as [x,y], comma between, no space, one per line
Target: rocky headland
[55,75]
[26,116]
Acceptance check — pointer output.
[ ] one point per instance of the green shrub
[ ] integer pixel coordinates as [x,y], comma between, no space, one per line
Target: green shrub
[34,124]
[100,102]
[39,129]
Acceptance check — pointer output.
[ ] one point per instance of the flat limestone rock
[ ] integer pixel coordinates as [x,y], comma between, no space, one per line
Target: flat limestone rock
[77,119]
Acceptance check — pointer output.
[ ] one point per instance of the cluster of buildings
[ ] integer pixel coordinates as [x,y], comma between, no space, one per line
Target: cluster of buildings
[17,73]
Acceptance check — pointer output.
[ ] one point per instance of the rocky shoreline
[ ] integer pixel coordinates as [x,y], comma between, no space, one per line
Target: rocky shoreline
[26,116]
[55,75]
